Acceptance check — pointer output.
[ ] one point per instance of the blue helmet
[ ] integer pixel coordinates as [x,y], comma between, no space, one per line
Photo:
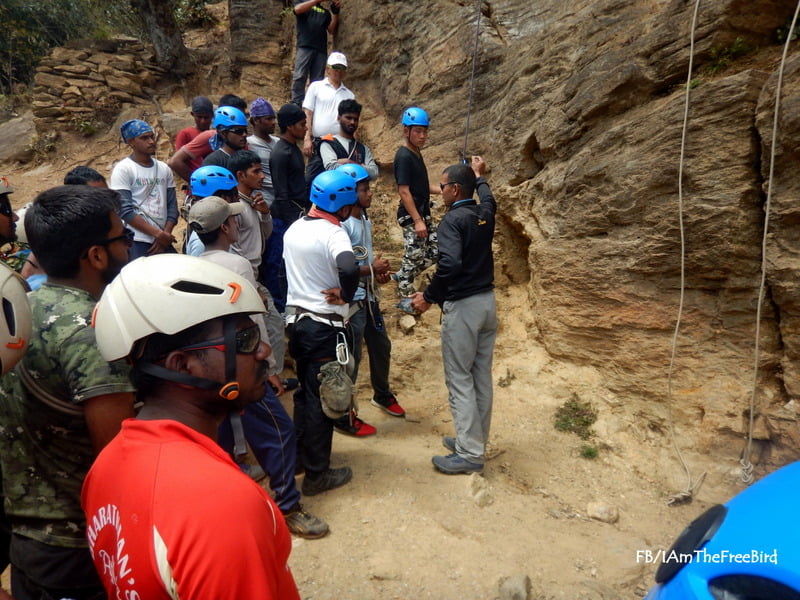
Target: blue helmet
[226,117]
[206,181]
[331,190]
[744,549]
[415,116]
[357,172]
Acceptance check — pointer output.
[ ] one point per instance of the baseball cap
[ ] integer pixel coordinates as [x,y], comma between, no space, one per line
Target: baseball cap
[211,212]
[337,58]
[202,106]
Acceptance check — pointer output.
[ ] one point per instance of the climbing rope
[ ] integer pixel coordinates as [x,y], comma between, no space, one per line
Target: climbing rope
[747,466]
[687,494]
[472,79]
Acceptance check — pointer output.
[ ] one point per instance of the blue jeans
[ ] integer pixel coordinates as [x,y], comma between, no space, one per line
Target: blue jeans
[272,272]
[270,432]
[139,249]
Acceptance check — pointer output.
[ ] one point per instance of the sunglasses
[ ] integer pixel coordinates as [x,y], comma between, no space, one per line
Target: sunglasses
[126,237]
[444,185]
[247,341]
[5,209]
[338,67]
[239,131]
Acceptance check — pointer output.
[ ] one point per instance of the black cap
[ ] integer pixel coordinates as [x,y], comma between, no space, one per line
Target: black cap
[289,114]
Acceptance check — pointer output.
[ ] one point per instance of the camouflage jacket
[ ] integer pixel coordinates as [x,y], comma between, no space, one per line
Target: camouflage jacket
[45,448]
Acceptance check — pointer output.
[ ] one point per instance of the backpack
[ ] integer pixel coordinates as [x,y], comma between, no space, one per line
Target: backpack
[315,166]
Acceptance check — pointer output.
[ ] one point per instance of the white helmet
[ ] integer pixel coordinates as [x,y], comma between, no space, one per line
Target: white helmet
[15,318]
[22,235]
[167,293]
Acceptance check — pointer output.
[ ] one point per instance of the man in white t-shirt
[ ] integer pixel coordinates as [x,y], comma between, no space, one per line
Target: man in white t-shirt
[265,424]
[321,103]
[149,204]
[322,276]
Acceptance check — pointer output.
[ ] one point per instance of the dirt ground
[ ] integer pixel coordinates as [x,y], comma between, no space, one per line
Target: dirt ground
[401,530]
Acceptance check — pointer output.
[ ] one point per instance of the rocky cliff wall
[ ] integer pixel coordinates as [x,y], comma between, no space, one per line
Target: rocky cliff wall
[578,108]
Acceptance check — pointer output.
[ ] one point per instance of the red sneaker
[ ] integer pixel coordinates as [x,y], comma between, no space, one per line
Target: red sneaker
[390,406]
[354,426]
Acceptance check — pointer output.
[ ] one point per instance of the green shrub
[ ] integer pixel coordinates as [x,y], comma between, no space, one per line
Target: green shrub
[576,417]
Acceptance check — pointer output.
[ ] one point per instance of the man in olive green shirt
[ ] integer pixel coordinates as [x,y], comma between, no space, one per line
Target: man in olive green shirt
[63,402]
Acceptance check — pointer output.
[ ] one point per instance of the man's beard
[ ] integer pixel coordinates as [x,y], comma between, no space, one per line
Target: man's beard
[113,269]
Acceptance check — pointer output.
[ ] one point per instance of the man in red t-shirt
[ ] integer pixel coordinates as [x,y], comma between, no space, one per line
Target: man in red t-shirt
[169,515]
[190,157]
[202,112]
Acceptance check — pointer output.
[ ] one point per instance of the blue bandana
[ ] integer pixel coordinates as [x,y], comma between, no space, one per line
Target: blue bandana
[216,142]
[134,128]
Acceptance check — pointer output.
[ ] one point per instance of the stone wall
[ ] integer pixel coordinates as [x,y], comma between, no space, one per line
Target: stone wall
[87,83]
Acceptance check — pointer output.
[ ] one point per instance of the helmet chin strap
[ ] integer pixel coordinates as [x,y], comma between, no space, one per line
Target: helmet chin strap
[226,391]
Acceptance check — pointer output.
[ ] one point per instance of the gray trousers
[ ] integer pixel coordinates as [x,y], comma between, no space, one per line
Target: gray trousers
[309,64]
[469,329]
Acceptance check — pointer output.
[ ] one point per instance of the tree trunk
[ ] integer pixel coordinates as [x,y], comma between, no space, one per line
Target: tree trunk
[158,17]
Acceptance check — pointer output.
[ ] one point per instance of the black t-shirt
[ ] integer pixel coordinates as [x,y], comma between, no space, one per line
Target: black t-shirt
[288,181]
[218,158]
[312,28]
[409,169]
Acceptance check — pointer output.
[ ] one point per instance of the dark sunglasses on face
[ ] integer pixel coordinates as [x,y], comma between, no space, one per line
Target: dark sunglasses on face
[126,237]
[239,131]
[247,341]
[5,209]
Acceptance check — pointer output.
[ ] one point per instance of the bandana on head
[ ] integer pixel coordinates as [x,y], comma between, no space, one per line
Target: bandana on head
[261,108]
[134,128]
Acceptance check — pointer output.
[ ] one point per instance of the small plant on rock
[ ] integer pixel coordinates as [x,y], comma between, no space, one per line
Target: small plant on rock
[721,58]
[576,417]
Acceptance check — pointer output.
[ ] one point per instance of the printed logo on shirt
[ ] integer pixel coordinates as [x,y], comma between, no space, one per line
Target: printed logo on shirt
[154,181]
[112,555]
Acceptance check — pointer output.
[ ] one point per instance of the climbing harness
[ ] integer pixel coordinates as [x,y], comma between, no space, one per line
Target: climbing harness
[688,492]
[472,80]
[747,466]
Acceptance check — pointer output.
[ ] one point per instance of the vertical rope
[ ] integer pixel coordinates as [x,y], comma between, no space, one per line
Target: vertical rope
[747,466]
[472,78]
[687,493]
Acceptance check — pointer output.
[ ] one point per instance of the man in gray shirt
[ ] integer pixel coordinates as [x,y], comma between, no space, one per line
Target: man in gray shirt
[262,118]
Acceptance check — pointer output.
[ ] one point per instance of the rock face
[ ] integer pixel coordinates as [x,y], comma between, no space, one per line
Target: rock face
[578,107]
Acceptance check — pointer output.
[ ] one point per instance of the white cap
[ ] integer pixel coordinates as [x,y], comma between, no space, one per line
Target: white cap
[337,58]
[211,212]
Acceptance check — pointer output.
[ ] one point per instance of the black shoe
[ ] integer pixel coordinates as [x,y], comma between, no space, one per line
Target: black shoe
[303,524]
[330,479]
[290,383]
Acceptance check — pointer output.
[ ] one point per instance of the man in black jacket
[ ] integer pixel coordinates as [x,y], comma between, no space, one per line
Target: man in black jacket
[464,287]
